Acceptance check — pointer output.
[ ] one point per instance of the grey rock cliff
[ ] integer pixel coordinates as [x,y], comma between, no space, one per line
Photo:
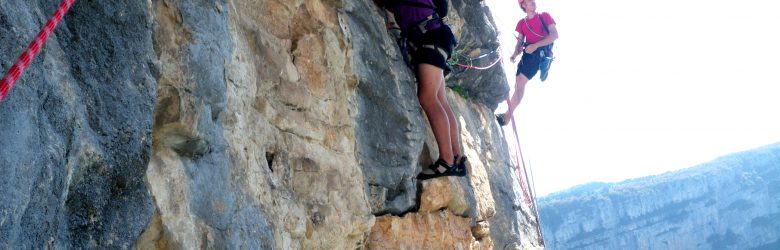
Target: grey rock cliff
[173,124]
[732,202]
[76,129]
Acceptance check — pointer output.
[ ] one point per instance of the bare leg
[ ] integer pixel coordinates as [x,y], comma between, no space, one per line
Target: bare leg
[431,78]
[454,131]
[520,82]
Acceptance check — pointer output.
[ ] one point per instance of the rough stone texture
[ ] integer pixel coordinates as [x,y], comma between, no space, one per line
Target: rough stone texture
[500,215]
[441,193]
[76,129]
[389,125]
[477,35]
[193,177]
[492,179]
[436,230]
[730,203]
[254,145]
[262,124]
[393,140]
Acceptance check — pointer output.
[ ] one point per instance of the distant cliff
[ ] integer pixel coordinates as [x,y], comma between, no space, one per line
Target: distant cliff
[267,124]
[732,202]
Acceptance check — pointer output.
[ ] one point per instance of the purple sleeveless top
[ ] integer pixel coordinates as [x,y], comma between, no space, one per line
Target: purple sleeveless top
[406,15]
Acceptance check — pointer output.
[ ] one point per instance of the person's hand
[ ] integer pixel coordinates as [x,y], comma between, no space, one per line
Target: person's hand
[394,30]
[514,56]
[392,25]
[530,49]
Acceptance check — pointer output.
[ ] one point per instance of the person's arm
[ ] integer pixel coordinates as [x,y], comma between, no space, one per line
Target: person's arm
[549,39]
[518,47]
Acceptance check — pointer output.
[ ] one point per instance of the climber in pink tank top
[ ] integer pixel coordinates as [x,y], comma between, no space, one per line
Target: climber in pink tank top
[531,27]
[534,40]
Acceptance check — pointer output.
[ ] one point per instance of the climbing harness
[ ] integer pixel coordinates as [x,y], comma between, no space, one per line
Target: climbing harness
[419,29]
[32,50]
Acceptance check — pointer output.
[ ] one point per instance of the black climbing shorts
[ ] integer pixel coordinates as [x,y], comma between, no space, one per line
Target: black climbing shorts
[434,48]
[529,64]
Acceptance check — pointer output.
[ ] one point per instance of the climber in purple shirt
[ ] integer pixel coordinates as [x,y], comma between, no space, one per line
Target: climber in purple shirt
[430,43]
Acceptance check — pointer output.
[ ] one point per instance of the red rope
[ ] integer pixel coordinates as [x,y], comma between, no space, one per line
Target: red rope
[525,184]
[528,191]
[24,61]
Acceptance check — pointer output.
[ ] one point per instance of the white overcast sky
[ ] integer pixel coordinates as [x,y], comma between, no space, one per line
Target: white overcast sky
[644,87]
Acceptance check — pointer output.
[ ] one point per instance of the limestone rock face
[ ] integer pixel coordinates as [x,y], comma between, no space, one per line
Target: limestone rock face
[477,35]
[488,197]
[730,203]
[437,230]
[389,127]
[261,124]
[254,144]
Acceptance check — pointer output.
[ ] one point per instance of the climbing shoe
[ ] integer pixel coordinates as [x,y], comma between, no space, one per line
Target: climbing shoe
[501,118]
[439,169]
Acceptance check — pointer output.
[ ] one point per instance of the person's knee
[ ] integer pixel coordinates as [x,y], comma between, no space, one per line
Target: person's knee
[427,100]
[521,80]
[443,101]
[427,94]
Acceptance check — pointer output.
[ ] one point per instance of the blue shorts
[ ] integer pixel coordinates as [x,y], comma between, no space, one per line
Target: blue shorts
[529,64]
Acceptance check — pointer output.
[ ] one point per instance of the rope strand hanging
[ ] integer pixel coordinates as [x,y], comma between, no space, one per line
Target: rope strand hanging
[527,187]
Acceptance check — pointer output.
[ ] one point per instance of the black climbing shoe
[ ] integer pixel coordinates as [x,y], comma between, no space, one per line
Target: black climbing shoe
[501,118]
[439,169]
